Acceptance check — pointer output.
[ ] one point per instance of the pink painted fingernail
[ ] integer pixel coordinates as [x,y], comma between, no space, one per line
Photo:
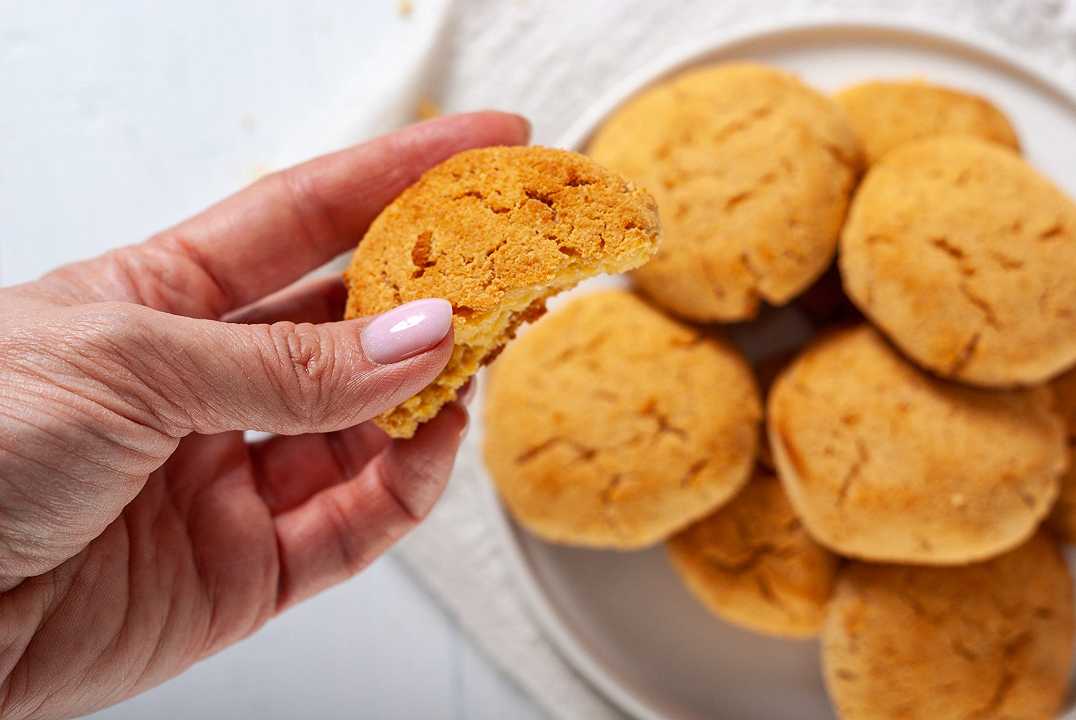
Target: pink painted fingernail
[406,331]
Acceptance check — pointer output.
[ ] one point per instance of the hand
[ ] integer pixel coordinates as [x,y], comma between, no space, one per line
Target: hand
[138,531]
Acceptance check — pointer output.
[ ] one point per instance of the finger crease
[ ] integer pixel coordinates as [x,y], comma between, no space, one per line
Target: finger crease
[341,455]
[226,298]
[391,491]
[309,211]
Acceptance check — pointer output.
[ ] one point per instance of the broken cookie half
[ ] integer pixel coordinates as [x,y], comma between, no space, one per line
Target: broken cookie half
[495,231]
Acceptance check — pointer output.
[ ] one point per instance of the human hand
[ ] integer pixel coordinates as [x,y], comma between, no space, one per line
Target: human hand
[139,532]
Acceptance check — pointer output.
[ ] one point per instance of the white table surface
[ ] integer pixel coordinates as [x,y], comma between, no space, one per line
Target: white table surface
[120,118]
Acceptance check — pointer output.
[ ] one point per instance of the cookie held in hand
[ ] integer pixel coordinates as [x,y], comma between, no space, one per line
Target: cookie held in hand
[495,231]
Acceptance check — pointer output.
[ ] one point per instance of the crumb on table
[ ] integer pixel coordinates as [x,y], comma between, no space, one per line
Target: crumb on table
[427,109]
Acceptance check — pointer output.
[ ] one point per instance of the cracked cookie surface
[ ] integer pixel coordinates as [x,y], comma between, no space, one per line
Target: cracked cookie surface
[963,255]
[611,425]
[495,231]
[888,113]
[987,641]
[1062,519]
[885,462]
[752,563]
[752,171]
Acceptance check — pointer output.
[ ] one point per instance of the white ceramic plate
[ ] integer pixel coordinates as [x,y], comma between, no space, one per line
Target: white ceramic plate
[623,619]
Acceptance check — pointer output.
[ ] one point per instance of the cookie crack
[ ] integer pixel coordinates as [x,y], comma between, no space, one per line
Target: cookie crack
[693,472]
[664,426]
[692,340]
[608,504]
[421,252]
[1053,232]
[714,285]
[987,311]
[967,352]
[575,180]
[469,194]
[948,248]
[765,589]
[1007,680]
[1005,262]
[741,124]
[753,271]
[750,561]
[737,125]
[585,452]
[1001,691]
[386,280]
[544,198]
[854,472]
[739,198]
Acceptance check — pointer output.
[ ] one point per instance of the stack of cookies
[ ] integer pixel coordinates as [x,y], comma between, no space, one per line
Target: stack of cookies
[901,484]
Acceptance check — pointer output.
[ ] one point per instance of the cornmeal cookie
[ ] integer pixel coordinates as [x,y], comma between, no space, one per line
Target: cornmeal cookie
[753,564]
[990,641]
[495,231]
[963,255]
[752,171]
[1062,519]
[886,114]
[610,425]
[885,462]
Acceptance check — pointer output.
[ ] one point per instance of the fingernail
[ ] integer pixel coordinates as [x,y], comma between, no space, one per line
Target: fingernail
[406,331]
[466,393]
[526,125]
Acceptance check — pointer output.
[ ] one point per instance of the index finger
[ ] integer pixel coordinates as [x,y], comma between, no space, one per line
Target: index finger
[290,222]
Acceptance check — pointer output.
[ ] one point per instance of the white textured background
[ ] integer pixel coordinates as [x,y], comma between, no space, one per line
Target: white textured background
[121,117]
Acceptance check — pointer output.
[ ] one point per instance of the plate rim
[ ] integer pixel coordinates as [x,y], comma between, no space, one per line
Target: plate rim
[975,43]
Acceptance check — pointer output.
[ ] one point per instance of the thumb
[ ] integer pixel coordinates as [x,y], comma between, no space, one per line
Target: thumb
[289,378]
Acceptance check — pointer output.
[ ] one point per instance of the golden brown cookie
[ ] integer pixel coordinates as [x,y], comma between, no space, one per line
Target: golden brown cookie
[495,231]
[1062,519]
[889,113]
[885,462]
[963,255]
[609,424]
[990,641]
[752,563]
[752,171]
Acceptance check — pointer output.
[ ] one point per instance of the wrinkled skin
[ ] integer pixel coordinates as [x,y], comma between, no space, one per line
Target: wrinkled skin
[139,532]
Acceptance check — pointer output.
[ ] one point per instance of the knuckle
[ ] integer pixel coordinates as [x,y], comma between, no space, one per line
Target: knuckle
[404,486]
[94,335]
[304,356]
[108,322]
[120,348]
